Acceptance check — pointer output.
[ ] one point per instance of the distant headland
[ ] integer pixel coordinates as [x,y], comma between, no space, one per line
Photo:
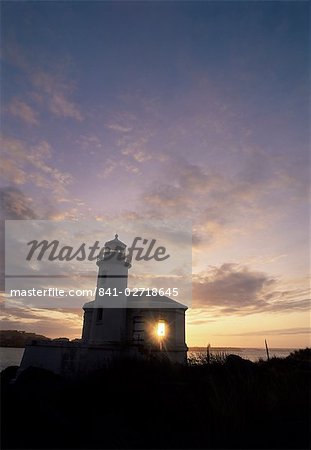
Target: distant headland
[18,339]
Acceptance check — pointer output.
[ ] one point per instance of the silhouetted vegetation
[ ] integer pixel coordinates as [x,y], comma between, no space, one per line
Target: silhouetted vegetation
[227,403]
[18,339]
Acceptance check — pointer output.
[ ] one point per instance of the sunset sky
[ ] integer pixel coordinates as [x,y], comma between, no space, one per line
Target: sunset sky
[182,110]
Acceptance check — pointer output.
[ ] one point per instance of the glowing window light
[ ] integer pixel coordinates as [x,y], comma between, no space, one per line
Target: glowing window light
[161,329]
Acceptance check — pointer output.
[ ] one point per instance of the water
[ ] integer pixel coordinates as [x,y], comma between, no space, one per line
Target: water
[13,356]
[253,354]
[10,357]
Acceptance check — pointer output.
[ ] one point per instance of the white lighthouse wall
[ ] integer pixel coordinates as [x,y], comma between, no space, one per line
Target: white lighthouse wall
[109,326]
[112,276]
[68,358]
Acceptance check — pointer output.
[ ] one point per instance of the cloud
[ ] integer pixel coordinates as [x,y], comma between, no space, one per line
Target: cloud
[61,106]
[89,142]
[137,146]
[23,111]
[135,139]
[130,168]
[235,289]
[11,172]
[37,157]
[139,155]
[118,127]
[216,201]
[56,91]
[17,157]
[230,287]
[49,322]
[25,167]
[189,190]
[116,164]
[136,149]
[13,157]
[15,205]
[51,87]
[109,168]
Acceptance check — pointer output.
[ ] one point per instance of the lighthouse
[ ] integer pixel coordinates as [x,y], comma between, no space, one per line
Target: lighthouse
[117,324]
[105,318]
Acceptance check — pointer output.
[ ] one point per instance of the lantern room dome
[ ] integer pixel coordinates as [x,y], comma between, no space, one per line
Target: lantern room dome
[115,244]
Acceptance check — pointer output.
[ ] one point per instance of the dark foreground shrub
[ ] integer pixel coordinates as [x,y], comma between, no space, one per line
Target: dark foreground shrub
[232,403]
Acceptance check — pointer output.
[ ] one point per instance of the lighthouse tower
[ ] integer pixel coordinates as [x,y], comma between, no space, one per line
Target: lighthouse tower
[105,318]
[116,324]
